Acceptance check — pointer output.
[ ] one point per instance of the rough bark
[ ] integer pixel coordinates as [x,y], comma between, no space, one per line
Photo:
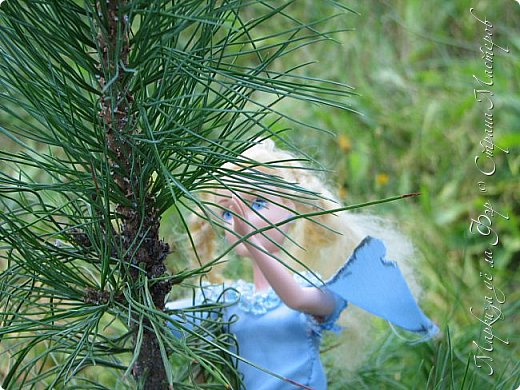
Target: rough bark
[139,229]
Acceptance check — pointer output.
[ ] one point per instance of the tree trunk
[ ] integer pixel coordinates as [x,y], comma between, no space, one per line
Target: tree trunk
[139,230]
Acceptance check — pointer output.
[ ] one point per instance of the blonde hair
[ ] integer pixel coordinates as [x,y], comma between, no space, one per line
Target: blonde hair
[328,236]
[323,243]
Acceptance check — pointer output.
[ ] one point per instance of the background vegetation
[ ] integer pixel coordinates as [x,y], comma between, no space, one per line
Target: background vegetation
[418,131]
[412,64]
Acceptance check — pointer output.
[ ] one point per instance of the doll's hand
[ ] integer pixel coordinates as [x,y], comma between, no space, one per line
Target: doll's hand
[239,226]
[248,215]
[240,221]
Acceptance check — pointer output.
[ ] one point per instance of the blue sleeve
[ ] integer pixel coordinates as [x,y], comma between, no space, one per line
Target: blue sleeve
[330,322]
[319,324]
[376,285]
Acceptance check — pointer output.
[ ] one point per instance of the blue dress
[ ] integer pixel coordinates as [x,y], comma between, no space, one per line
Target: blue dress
[280,346]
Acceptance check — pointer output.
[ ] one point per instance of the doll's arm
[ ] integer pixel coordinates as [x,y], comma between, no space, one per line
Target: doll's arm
[311,300]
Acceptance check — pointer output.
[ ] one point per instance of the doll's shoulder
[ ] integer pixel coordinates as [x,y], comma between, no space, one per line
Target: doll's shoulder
[240,293]
[245,295]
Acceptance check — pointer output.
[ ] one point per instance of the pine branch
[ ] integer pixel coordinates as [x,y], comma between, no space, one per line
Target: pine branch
[120,111]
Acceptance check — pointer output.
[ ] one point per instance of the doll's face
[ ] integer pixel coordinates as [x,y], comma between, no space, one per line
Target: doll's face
[261,211]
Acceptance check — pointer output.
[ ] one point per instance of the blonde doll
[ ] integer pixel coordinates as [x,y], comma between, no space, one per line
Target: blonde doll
[281,314]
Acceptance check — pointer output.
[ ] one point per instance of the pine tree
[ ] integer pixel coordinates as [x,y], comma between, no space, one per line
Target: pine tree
[120,110]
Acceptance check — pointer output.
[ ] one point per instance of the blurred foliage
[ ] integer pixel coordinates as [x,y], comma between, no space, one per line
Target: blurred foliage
[418,130]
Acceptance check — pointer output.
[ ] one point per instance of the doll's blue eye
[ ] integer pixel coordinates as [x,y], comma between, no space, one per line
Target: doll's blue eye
[259,204]
[226,215]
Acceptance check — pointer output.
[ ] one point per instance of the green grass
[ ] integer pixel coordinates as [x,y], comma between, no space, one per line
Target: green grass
[418,130]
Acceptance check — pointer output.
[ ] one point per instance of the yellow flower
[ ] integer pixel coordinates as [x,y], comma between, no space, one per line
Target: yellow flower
[344,143]
[342,192]
[382,179]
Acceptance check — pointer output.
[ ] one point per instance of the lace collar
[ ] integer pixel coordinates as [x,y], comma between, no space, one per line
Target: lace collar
[245,295]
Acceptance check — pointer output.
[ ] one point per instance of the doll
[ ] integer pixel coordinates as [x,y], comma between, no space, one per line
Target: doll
[281,315]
